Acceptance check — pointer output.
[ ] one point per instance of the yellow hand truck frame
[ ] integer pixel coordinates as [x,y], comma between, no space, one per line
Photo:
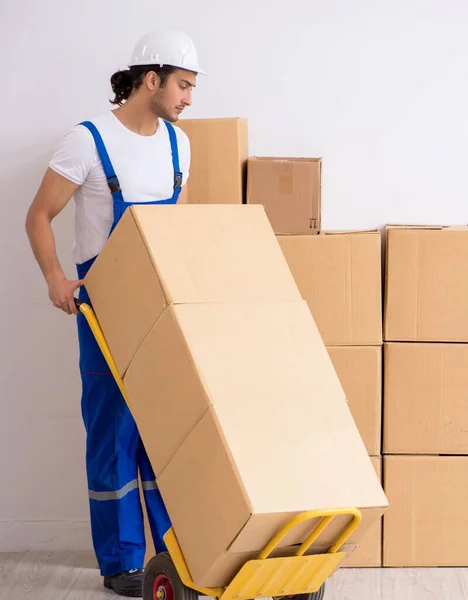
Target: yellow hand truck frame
[167,576]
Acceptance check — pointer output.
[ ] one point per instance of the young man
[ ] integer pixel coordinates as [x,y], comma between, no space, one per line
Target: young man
[132,154]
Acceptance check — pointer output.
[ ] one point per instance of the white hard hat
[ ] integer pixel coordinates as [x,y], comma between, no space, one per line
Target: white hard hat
[172,47]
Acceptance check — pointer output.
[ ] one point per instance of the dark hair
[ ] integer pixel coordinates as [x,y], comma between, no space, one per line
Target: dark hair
[125,82]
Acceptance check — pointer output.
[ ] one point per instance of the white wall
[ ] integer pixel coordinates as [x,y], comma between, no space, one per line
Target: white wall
[379,89]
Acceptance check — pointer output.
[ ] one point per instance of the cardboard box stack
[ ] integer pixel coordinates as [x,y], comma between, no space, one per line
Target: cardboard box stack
[238,404]
[425,357]
[425,390]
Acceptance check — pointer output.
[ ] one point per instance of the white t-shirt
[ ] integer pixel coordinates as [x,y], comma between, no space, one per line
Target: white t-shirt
[143,165]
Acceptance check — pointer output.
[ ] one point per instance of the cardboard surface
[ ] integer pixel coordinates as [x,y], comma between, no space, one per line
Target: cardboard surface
[359,369]
[339,275]
[158,255]
[290,190]
[426,410]
[219,152]
[427,286]
[427,521]
[369,550]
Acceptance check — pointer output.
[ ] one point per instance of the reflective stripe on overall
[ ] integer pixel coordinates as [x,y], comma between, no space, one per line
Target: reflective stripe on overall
[114,450]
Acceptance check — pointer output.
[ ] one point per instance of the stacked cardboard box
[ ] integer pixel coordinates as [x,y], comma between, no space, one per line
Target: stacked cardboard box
[238,404]
[219,152]
[425,392]
[290,189]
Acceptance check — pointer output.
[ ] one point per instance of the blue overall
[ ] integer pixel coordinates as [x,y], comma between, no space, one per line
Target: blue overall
[114,450]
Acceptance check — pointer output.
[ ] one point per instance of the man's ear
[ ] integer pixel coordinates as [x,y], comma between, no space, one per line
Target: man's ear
[152,80]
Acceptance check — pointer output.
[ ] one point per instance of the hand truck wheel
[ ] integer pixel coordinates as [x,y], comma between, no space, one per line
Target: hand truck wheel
[319,595]
[162,582]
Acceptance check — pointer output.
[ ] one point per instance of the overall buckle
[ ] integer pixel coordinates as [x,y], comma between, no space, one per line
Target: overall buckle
[177,179]
[114,184]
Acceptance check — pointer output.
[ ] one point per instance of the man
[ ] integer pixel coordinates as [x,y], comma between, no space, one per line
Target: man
[132,154]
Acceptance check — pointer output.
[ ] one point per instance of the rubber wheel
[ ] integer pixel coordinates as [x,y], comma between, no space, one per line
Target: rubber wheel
[162,582]
[319,595]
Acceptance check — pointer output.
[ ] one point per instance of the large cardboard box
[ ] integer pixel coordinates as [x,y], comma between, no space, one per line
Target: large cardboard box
[426,296]
[368,553]
[359,369]
[427,521]
[266,408]
[290,189]
[182,254]
[218,165]
[425,409]
[339,275]
[233,391]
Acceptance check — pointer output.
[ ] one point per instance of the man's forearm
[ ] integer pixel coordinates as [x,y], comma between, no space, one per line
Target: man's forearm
[42,240]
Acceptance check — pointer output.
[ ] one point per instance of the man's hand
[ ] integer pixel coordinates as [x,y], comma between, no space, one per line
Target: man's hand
[61,293]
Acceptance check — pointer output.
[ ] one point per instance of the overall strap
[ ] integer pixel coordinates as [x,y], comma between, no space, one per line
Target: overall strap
[175,161]
[112,180]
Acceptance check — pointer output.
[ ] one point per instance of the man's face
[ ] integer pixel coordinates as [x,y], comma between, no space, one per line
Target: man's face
[169,101]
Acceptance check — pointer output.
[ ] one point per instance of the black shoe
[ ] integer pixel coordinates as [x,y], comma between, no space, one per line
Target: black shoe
[128,584]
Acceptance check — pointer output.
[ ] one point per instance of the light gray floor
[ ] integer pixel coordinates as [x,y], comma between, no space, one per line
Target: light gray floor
[73,576]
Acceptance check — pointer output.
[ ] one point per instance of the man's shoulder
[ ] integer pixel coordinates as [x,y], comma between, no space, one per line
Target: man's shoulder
[75,154]
[102,120]
[80,132]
